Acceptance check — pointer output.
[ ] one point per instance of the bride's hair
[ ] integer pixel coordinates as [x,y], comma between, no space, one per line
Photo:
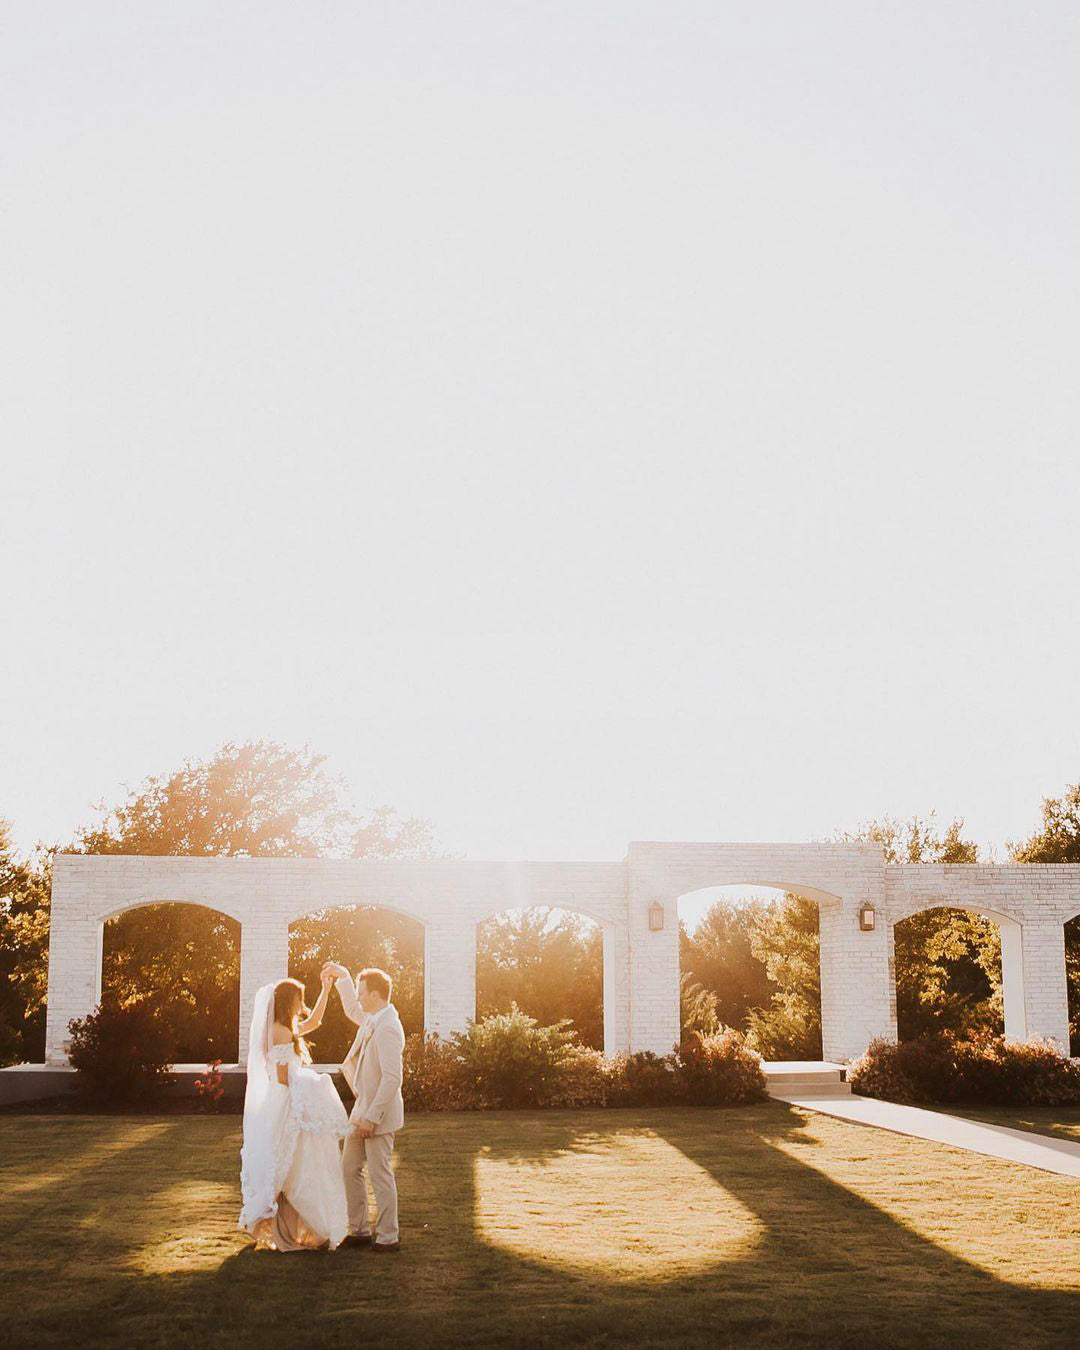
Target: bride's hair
[288,1006]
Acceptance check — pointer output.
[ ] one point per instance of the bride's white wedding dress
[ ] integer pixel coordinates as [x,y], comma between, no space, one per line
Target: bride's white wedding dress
[290,1163]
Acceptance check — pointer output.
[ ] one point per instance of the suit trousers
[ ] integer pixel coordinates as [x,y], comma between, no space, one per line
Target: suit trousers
[370,1158]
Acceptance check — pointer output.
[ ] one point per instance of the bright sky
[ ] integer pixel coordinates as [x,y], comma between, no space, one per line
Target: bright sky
[585,422]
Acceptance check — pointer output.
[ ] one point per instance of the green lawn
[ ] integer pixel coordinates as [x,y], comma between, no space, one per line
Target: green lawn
[763,1226]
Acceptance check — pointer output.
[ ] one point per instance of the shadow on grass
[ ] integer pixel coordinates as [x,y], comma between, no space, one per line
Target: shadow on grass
[849,1263]
[822,1265]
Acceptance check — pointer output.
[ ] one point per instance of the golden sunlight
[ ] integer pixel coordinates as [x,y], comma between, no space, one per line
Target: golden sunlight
[60,1172]
[196,1230]
[575,1209]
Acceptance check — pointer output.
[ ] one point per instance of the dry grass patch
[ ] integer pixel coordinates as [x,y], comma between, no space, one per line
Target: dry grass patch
[1058,1122]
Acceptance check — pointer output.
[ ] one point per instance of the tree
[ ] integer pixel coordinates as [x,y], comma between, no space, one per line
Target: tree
[915,840]
[1059,842]
[1059,839]
[549,963]
[948,961]
[785,940]
[358,936]
[718,960]
[185,960]
[259,799]
[24,948]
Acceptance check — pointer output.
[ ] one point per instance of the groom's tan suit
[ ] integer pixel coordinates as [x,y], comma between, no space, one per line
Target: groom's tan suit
[372,1068]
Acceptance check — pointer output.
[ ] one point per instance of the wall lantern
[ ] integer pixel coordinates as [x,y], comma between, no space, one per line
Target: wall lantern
[656,916]
[866,916]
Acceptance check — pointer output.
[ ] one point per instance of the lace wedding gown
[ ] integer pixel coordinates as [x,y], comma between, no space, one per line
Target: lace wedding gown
[290,1163]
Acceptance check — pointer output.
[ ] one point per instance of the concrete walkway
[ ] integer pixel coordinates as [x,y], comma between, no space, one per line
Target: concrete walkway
[995,1141]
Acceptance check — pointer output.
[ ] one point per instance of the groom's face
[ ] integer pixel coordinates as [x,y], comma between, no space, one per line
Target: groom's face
[369,1000]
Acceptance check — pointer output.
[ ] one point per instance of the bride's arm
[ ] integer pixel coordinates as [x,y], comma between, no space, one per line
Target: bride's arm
[313,1022]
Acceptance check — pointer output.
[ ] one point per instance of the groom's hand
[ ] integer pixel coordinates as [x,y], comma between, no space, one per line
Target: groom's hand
[334,970]
[364,1128]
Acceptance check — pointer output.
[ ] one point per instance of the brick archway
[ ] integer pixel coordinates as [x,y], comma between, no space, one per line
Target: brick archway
[641,960]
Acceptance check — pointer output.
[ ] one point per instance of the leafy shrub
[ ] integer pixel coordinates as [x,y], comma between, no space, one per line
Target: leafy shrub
[984,1070]
[11,1047]
[789,1028]
[582,1078]
[699,1008]
[719,1070]
[121,1053]
[510,1059]
[643,1079]
[433,1077]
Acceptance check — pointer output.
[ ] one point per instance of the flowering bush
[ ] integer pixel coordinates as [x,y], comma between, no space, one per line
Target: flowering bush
[719,1070]
[984,1070]
[121,1053]
[210,1090]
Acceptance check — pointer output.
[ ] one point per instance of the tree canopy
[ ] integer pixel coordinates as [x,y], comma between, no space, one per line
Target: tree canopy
[24,951]
[259,799]
[550,964]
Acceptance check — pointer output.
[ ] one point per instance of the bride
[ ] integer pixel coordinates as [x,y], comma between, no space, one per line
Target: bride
[290,1163]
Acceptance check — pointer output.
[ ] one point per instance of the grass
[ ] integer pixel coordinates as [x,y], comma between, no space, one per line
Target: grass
[1058,1122]
[765,1225]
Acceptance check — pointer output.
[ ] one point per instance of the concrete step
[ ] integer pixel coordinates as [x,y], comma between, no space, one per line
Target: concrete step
[808,1091]
[805,1078]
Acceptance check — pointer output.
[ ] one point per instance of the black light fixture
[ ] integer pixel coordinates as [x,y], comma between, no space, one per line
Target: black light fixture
[656,916]
[867,917]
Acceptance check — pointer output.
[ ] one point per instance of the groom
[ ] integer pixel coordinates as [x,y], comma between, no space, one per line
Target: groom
[372,1068]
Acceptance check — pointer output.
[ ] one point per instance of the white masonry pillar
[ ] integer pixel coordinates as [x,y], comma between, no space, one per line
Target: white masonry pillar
[1037,951]
[449,975]
[74,988]
[616,990]
[264,957]
[857,997]
[654,973]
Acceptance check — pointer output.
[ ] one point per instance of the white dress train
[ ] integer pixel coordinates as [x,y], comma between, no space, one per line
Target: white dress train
[290,1163]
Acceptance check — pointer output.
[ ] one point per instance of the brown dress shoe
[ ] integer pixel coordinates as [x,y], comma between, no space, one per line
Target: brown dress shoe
[386,1246]
[355,1240]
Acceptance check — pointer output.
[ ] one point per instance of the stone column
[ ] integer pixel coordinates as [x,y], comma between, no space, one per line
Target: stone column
[74,971]
[654,974]
[616,991]
[857,996]
[1012,978]
[449,975]
[1043,985]
[264,957]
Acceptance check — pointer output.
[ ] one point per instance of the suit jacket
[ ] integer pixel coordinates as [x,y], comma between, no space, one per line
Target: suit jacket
[372,1068]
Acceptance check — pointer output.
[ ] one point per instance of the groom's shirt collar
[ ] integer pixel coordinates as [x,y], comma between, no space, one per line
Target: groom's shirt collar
[377,1017]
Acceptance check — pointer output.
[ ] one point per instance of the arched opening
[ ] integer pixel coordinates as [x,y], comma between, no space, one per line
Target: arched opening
[551,963]
[184,958]
[749,958]
[1072,981]
[950,975]
[358,936]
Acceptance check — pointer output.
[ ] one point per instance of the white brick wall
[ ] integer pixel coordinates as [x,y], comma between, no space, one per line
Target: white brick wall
[641,968]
